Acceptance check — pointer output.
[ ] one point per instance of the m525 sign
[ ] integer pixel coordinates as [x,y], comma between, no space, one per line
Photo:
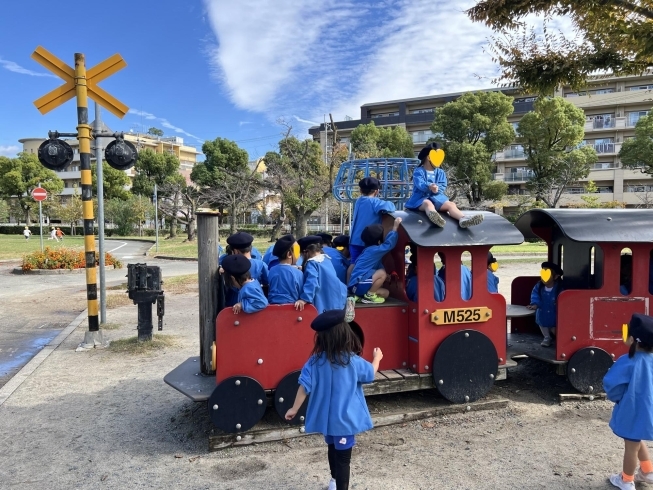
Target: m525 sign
[454,316]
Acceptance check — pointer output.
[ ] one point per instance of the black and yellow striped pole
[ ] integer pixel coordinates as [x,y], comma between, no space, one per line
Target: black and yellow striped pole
[84,137]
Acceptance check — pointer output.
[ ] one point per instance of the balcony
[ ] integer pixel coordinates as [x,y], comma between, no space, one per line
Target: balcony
[424,117]
[510,154]
[518,177]
[606,148]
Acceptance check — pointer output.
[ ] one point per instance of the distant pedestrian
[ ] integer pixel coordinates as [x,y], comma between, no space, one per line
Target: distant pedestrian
[60,234]
[27,233]
[53,235]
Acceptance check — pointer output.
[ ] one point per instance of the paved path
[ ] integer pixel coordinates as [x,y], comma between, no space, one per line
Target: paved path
[36,308]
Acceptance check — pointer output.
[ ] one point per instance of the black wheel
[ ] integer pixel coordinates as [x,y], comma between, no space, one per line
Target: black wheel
[284,399]
[464,366]
[586,369]
[237,404]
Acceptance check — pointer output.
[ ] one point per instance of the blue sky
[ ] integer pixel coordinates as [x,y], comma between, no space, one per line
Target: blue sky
[234,68]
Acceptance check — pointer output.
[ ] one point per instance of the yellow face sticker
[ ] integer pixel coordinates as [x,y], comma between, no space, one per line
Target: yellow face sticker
[295,250]
[545,274]
[340,249]
[436,157]
[494,266]
[624,331]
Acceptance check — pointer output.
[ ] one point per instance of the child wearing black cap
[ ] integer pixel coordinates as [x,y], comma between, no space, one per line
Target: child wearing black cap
[629,384]
[492,267]
[286,280]
[326,239]
[368,275]
[429,184]
[333,377]
[339,256]
[250,295]
[544,299]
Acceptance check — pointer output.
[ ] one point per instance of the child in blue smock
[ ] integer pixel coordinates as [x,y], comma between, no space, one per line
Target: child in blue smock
[286,280]
[368,276]
[429,184]
[339,256]
[626,274]
[411,281]
[629,384]
[465,278]
[241,244]
[492,267]
[368,210]
[544,299]
[333,377]
[250,295]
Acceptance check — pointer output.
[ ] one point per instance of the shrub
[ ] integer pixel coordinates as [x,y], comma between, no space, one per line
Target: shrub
[63,258]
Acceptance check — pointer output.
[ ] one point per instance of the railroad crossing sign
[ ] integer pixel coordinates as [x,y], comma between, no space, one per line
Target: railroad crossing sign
[39,194]
[67,91]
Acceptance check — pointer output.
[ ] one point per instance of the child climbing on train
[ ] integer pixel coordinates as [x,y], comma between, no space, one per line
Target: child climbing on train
[368,275]
[339,255]
[629,384]
[544,300]
[429,184]
[333,377]
[250,295]
[492,279]
[286,280]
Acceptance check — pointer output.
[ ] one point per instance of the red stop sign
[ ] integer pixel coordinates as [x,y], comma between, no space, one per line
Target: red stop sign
[39,194]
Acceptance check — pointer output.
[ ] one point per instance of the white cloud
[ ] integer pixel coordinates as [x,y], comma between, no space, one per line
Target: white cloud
[306,121]
[9,151]
[16,68]
[144,114]
[244,123]
[163,122]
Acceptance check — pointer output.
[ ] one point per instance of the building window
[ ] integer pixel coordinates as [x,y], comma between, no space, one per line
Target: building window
[422,136]
[514,151]
[604,165]
[600,121]
[422,111]
[633,117]
[640,87]
[639,188]
[601,145]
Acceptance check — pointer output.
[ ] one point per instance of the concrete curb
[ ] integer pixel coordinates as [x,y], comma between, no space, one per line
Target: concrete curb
[167,257]
[25,372]
[52,272]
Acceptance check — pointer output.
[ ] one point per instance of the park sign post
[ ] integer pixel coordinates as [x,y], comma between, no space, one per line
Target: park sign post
[55,154]
[40,194]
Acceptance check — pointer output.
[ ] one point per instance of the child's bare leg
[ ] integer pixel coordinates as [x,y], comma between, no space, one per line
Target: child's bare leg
[642,453]
[378,279]
[463,221]
[383,292]
[630,456]
[452,209]
[429,208]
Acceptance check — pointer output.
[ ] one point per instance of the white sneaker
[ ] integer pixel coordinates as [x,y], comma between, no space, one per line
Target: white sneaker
[436,218]
[350,309]
[332,484]
[643,477]
[618,482]
[546,342]
[468,221]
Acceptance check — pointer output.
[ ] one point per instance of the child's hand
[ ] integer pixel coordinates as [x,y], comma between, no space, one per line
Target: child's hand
[290,414]
[532,307]
[220,270]
[434,188]
[397,222]
[299,305]
[377,354]
[237,308]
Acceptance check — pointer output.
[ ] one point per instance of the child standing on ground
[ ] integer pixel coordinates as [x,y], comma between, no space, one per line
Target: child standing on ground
[27,233]
[544,299]
[429,184]
[492,279]
[368,275]
[286,280]
[60,234]
[333,377]
[629,383]
[250,295]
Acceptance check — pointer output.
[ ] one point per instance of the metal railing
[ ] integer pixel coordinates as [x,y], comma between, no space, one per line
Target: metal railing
[518,176]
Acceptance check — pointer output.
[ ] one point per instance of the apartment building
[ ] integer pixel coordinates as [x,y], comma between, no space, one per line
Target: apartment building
[612,107]
[71,175]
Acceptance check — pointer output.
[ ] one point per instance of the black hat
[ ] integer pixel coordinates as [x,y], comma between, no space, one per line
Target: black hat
[236,265]
[282,246]
[640,327]
[341,241]
[372,235]
[240,240]
[369,184]
[326,238]
[555,268]
[328,319]
[308,240]
[490,258]
[424,152]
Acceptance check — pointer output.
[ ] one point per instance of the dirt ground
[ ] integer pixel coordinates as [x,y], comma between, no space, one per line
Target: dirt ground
[103,419]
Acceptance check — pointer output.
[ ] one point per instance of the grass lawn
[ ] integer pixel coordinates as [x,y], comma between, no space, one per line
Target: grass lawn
[524,248]
[15,246]
[177,247]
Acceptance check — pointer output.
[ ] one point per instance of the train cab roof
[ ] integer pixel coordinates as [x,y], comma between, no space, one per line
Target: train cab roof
[495,230]
[590,225]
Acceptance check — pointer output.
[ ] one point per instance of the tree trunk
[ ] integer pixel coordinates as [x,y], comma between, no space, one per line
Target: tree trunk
[302,218]
[232,219]
[28,219]
[276,229]
[173,226]
[190,228]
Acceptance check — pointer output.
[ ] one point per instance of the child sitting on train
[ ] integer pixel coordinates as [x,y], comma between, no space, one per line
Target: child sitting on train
[241,244]
[629,384]
[286,281]
[369,275]
[250,294]
[339,256]
[492,279]
[465,278]
[411,280]
[544,300]
[429,184]
[626,274]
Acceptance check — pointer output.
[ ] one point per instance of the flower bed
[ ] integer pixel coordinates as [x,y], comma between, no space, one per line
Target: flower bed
[63,258]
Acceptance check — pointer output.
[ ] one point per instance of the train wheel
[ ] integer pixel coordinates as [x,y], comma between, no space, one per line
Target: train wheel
[284,398]
[464,366]
[237,404]
[586,369]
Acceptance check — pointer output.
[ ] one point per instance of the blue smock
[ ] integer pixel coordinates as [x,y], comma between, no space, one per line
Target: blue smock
[492,282]
[251,297]
[286,282]
[371,259]
[322,288]
[629,383]
[650,275]
[421,181]
[336,406]
[258,271]
[368,211]
[267,256]
[340,262]
[547,304]
[465,281]
[438,288]
[256,254]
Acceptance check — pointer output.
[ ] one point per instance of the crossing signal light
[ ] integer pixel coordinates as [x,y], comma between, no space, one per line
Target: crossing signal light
[121,154]
[55,154]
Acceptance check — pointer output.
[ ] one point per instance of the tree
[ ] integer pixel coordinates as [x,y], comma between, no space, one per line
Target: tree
[4,211]
[369,141]
[20,175]
[225,176]
[155,132]
[69,210]
[126,214]
[615,36]
[183,203]
[551,135]
[637,152]
[114,181]
[473,128]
